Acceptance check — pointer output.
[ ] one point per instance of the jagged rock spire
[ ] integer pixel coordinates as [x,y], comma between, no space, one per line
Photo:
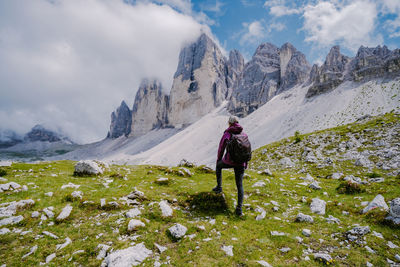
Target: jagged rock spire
[121,121]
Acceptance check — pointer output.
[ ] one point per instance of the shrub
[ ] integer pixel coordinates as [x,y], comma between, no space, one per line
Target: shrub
[3,172]
[374,175]
[208,202]
[349,187]
[297,137]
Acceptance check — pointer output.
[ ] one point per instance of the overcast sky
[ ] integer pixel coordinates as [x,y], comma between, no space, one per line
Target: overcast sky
[67,64]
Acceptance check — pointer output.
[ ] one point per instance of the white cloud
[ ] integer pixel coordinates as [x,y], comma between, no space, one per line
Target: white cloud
[254,32]
[390,6]
[69,63]
[350,25]
[278,8]
[216,8]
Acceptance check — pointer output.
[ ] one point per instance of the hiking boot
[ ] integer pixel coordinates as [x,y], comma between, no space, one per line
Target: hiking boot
[238,212]
[217,189]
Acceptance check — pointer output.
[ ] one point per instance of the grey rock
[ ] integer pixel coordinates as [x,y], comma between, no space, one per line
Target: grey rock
[121,121]
[50,234]
[166,210]
[64,214]
[356,234]
[318,206]
[336,175]
[4,231]
[390,244]
[304,218]
[362,162]
[265,172]
[10,208]
[63,245]
[259,184]
[228,250]
[377,202]
[370,250]
[102,251]
[11,186]
[77,194]
[315,185]
[286,162]
[395,208]
[33,250]
[160,248]
[87,167]
[264,263]
[261,215]
[136,195]
[11,220]
[135,224]
[324,257]
[276,233]
[285,249]
[50,257]
[332,219]
[132,213]
[235,67]
[49,212]
[177,231]
[128,257]
[306,232]
[186,163]
[35,214]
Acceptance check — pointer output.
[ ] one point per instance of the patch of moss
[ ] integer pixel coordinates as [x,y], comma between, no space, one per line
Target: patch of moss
[349,188]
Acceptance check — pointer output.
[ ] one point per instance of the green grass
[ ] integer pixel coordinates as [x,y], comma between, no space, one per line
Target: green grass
[194,205]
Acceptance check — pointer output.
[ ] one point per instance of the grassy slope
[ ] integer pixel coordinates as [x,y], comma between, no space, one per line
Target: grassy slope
[254,241]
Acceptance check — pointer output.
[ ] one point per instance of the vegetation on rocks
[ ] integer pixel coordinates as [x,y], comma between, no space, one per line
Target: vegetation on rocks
[101,207]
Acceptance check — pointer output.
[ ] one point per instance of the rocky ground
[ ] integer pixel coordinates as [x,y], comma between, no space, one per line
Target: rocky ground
[330,197]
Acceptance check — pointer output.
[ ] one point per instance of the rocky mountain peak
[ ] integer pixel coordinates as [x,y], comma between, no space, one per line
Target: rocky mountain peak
[121,121]
[40,133]
[236,60]
[335,61]
[149,109]
[200,82]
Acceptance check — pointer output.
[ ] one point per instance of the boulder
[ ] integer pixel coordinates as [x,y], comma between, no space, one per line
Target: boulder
[166,210]
[318,206]
[135,224]
[177,231]
[394,211]
[377,202]
[11,220]
[128,257]
[324,257]
[64,214]
[132,213]
[87,167]
[9,186]
[304,218]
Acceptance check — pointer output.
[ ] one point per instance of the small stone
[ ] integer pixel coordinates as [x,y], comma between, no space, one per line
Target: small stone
[304,218]
[4,231]
[276,233]
[66,243]
[264,263]
[50,257]
[332,219]
[64,214]
[160,248]
[259,184]
[228,250]
[77,194]
[369,264]
[262,214]
[397,257]
[50,234]
[166,210]
[265,172]
[11,220]
[131,256]
[49,194]
[284,250]
[70,185]
[33,250]
[102,202]
[135,224]
[35,214]
[299,239]
[318,206]
[103,251]
[392,245]
[336,175]
[132,213]
[379,235]
[49,212]
[326,258]
[314,185]
[377,202]
[177,231]
[370,250]
[306,232]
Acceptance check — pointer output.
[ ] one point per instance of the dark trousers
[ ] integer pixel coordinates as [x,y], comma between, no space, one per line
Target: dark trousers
[239,172]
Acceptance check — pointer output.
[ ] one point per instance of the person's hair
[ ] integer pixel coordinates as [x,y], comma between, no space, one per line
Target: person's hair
[232,120]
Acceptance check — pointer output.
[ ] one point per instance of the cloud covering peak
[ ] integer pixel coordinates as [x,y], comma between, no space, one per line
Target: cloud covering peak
[70,63]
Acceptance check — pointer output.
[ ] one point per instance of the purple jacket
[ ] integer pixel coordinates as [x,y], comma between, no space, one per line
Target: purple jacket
[233,129]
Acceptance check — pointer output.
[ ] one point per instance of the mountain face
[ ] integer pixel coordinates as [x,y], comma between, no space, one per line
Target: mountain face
[150,109]
[39,133]
[368,64]
[121,121]
[270,71]
[200,82]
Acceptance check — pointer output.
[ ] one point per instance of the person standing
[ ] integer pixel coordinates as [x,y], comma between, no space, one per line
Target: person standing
[226,160]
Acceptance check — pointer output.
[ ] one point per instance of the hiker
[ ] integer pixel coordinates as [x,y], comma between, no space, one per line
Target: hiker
[226,161]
